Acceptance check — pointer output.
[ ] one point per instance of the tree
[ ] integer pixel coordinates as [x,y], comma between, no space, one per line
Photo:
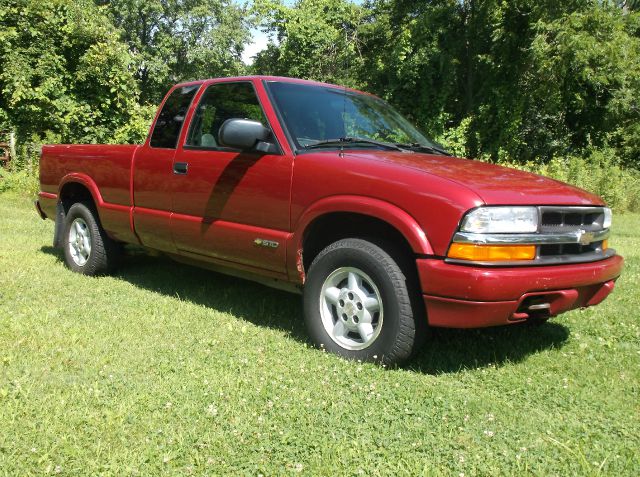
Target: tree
[587,71]
[179,40]
[316,39]
[414,56]
[526,79]
[65,75]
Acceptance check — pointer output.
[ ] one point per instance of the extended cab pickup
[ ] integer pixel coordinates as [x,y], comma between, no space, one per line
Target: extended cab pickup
[329,191]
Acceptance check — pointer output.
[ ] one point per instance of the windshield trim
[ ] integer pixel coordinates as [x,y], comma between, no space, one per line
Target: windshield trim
[285,128]
[350,141]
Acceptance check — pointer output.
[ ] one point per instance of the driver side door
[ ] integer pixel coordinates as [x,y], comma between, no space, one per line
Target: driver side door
[227,204]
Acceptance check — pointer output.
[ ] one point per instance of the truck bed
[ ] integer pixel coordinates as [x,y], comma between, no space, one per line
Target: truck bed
[108,165]
[104,169]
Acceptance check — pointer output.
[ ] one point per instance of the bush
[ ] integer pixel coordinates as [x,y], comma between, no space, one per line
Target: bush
[454,139]
[64,71]
[136,129]
[23,181]
[599,172]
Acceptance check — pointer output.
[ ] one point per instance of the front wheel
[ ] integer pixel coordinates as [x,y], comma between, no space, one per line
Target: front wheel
[357,303]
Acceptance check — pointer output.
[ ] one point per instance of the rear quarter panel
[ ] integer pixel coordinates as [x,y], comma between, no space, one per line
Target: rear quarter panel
[109,166]
[104,169]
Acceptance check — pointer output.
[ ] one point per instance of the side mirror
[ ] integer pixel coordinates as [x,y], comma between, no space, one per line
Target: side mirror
[246,135]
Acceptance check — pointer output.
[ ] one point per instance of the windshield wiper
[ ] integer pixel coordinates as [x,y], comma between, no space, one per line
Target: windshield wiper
[351,140]
[417,147]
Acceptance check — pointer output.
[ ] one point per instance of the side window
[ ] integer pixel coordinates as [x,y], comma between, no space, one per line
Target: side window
[167,129]
[220,102]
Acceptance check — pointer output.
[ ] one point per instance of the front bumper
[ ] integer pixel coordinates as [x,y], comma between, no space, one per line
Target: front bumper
[464,296]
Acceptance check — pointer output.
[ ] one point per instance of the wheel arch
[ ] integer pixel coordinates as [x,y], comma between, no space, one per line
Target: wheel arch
[77,187]
[339,217]
[74,188]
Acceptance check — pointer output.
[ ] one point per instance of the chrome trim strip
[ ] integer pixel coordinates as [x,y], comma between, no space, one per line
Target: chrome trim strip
[569,209]
[580,236]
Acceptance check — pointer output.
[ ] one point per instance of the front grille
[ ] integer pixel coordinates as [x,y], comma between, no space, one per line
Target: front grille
[555,220]
[564,234]
[569,249]
[566,219]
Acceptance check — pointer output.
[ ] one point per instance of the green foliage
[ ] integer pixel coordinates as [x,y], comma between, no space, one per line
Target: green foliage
[523,82]
[454,139]
[66,74]
[527,80]
[23,181]
[587,78]
[317,39]
[64,71]
[135,131]
[599,172]
[537,78]
[175,40]
[414,57]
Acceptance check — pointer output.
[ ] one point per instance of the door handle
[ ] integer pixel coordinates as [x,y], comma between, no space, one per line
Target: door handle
[180,167]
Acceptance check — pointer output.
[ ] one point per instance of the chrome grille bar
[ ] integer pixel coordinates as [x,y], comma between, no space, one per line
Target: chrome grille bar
[581,237]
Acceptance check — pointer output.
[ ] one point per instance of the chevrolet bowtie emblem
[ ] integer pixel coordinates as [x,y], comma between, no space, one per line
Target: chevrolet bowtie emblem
[585,238]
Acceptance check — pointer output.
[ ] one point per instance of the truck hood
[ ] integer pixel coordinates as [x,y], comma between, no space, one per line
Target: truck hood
[492,183]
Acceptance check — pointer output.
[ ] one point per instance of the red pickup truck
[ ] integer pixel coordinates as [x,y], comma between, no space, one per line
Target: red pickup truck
[329,191]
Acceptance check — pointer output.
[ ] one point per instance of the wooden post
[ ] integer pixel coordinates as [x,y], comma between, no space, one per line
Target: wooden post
[12,146]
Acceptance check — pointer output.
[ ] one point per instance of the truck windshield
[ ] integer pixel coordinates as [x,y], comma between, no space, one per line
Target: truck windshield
[319,116]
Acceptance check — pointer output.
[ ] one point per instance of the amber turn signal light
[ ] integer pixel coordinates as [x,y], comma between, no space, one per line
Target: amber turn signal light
[605,245]
[491,253]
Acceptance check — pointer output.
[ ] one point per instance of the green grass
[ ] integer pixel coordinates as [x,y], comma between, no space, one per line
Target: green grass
[167,369]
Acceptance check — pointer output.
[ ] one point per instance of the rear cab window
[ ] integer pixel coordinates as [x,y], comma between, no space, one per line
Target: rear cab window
[171,119]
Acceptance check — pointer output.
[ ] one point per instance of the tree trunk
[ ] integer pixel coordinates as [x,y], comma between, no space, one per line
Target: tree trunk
[469,8]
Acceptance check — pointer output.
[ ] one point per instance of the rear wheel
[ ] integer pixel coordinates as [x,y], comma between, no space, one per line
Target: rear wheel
[87,247]
[357,303]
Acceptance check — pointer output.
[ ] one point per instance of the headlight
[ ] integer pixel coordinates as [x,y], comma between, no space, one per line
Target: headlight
[485,220]
[607,218]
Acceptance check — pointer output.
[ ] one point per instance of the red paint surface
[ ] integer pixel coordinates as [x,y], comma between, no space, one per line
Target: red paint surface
[460,296]
[439,278]
[228,199]
[455,313]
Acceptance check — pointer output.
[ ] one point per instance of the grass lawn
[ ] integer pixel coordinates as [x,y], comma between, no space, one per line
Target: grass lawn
[167,369]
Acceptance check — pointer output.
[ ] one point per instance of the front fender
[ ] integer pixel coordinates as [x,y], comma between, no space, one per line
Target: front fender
[402,221]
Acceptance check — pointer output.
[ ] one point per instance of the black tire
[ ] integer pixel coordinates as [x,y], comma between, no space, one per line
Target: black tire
[406,262]
[395,339]
[103,253]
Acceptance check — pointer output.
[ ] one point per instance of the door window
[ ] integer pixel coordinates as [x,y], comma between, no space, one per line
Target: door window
[220,102]
[169,124]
